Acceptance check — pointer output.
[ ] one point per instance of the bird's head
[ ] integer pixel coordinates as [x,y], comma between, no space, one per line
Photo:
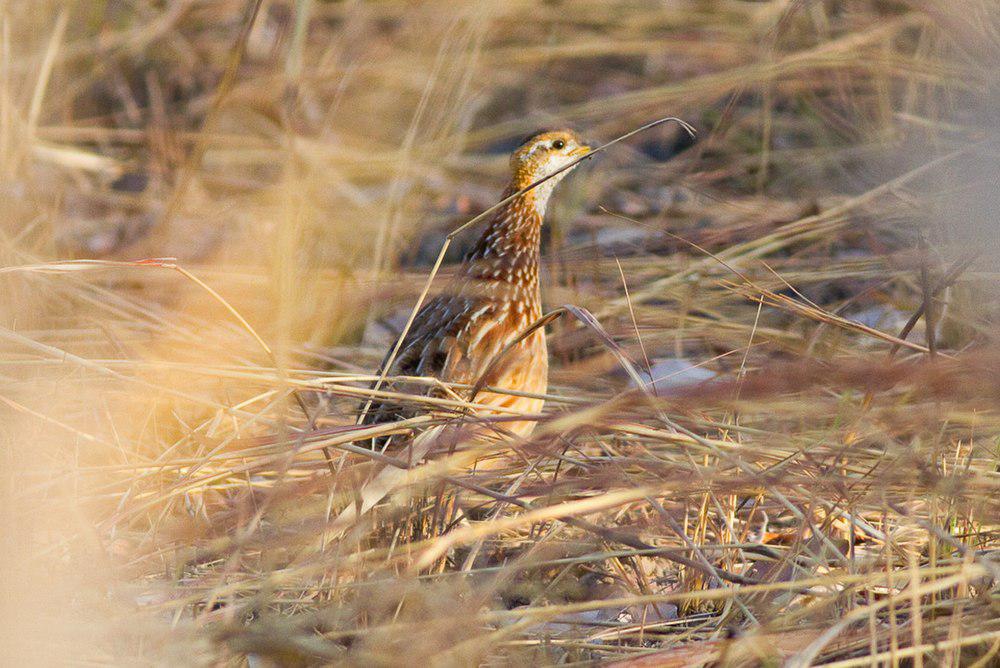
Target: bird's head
[541,154]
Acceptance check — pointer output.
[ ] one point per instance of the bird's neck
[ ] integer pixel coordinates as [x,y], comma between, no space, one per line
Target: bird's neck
[508,250]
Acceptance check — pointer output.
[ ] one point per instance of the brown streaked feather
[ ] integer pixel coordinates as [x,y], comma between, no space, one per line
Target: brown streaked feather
[494,297]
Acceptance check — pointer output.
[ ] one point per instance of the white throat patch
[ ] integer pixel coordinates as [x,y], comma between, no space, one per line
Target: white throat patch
[544,191]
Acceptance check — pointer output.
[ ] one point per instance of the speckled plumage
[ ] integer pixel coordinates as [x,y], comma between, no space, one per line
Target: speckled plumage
[492,299]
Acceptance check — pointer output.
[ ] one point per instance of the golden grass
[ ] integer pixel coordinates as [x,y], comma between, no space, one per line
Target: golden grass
[216,213]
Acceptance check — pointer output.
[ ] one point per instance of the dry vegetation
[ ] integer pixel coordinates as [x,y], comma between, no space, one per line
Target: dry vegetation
[823,258]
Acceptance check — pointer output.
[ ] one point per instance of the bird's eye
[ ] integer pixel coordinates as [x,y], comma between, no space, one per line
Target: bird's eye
[558,144]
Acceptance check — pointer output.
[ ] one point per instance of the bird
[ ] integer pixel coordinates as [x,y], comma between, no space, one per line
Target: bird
[493,298]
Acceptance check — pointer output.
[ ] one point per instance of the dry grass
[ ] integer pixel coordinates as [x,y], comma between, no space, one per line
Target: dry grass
[828,249]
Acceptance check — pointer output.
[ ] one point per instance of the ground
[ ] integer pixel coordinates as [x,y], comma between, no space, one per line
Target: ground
[771,432]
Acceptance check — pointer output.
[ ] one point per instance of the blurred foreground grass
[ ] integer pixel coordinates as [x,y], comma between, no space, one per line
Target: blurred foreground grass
[812,478]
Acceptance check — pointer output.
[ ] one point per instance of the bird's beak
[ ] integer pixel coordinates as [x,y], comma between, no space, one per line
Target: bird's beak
[583,149]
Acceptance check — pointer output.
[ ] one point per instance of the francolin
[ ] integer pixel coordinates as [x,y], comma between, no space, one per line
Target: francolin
[494,297]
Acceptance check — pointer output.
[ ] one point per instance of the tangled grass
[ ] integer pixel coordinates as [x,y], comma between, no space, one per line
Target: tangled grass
[772,431]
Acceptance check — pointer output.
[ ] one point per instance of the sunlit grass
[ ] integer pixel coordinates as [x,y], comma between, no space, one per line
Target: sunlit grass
[178,434]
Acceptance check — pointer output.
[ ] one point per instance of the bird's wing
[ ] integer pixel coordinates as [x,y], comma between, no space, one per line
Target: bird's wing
[433,346]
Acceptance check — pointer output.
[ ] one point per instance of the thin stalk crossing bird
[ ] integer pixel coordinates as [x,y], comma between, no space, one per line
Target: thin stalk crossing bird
[457,336]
